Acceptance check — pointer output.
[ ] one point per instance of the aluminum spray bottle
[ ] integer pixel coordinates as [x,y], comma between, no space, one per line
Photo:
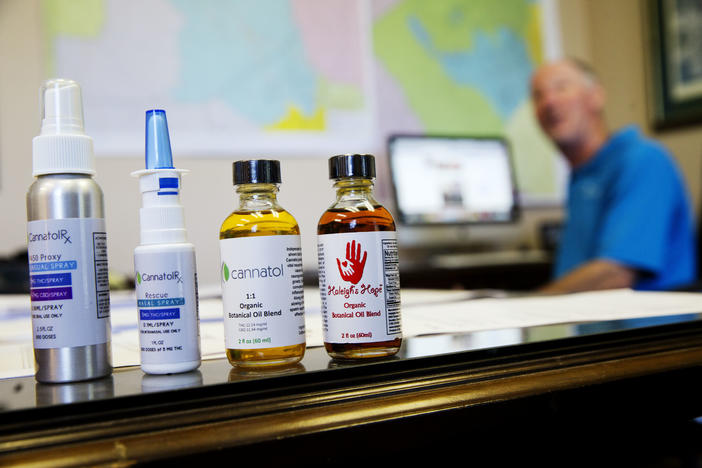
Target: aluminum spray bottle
[67,245]
[166,278]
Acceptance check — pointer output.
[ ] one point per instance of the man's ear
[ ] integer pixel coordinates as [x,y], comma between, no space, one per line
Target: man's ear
[598,97]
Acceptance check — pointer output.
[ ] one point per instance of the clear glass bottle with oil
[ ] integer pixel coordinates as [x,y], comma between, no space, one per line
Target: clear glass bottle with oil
[358,266]
[262,289]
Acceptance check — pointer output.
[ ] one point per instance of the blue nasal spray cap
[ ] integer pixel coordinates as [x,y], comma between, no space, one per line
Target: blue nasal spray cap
[161,215]
[158,144]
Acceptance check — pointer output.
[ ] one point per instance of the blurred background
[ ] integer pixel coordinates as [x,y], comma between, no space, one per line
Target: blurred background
[301,80]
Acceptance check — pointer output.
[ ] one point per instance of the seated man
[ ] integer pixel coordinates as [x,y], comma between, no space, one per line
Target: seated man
[628,221]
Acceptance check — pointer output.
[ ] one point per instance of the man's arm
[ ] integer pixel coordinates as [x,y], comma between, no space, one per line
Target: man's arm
[597,274]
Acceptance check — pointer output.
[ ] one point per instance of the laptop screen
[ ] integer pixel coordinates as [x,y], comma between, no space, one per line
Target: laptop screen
[452,180]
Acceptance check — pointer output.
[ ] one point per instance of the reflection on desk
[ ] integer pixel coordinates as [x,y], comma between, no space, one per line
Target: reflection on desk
[24,393]
[518,386]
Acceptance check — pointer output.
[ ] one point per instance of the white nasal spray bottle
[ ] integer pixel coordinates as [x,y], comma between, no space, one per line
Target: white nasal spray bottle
[166,277]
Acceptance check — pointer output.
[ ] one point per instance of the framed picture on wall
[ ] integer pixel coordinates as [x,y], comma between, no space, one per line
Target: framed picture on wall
[675,28]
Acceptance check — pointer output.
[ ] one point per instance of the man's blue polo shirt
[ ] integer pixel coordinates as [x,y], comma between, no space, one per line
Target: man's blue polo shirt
[629,204]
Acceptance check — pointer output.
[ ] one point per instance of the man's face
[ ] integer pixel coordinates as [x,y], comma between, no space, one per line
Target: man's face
[565,102]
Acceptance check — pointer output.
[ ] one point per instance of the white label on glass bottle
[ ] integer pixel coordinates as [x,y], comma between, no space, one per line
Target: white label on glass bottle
[262,292]
[359,281]
[69,285]
[167,307]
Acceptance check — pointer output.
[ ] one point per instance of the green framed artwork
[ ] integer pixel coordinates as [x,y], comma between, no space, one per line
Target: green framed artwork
[675,28]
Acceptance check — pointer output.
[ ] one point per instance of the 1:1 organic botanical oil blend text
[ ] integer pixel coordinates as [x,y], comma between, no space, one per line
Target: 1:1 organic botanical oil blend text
[262,290]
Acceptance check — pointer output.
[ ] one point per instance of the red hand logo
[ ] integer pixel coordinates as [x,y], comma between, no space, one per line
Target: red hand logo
[351,269]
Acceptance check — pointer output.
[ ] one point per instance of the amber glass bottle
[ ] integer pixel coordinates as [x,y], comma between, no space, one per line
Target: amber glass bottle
[262,289]
[358,266]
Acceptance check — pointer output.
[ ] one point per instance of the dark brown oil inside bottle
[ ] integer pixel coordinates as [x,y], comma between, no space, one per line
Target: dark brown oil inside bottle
[361,219]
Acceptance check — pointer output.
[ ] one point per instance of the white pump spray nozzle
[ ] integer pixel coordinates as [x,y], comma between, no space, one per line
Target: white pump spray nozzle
[62,145]
[61,108]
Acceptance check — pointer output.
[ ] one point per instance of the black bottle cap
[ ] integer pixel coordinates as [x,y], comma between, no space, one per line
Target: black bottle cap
[257,171]
[352,165]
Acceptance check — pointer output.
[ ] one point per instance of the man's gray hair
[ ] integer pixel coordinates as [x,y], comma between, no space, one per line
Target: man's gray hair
[585,68]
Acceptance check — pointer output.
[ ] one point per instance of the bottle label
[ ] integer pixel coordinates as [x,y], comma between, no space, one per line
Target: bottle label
[262,292]
[69,284]
[167,307]
[359,281]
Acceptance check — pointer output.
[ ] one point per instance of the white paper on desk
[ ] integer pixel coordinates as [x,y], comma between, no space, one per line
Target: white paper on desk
[423,312]
[493,314]
[125,338]
[410,298]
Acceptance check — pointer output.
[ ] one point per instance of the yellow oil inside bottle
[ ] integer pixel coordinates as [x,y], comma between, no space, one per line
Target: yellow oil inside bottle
[250,222]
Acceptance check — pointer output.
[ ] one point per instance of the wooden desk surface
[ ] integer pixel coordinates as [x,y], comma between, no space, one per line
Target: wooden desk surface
[558,386]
